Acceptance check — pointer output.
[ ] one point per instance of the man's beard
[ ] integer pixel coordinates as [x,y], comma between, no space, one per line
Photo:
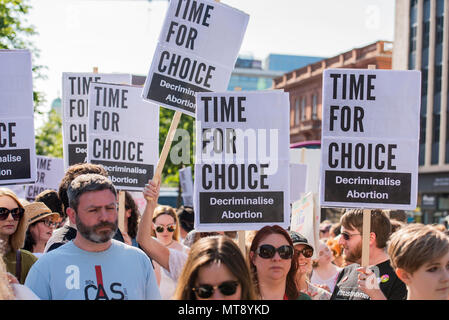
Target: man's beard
[355,255]
[91,234]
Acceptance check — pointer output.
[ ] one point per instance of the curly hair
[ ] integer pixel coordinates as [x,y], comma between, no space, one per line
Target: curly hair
[133,220]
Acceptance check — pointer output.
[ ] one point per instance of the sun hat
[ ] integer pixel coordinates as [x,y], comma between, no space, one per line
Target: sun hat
[37,211]
[298,238]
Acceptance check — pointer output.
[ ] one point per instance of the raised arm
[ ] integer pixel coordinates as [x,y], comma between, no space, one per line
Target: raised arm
[153,248]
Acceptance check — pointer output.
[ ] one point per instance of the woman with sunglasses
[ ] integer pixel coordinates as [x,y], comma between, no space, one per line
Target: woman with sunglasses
[41,223]
[215,270]
[303,254]
[166,230]
[13,225]
[274,266]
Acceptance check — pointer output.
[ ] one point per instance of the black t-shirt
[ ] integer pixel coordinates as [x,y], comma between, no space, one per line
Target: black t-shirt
[390,285]
[66,233]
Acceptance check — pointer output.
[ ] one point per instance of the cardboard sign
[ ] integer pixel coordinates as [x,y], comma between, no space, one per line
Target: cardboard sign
[50,171]
[298,178]
[186,181]
[196,52]
[17,146]
[304,220]
[123,134]
[242,160]
[75,92]
[370,136]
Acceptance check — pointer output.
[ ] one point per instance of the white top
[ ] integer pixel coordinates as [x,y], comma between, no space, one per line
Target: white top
[330,282]
[23,293]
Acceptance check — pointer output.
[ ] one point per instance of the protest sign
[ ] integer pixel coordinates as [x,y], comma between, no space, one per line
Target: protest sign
[298,178]
[304,220]
[123,134]
[196,52]
[75,91]
[242,160]
[186,181]
[370,138]
[17,145]
[50,171]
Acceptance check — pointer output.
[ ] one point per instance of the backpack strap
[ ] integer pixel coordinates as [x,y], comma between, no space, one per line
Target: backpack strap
[18,264]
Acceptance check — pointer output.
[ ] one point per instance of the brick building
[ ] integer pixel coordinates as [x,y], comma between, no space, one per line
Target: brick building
[305,85]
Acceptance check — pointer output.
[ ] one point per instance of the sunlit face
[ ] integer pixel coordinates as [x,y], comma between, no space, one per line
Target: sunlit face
[215,274]
[353,246]
[324,254]
[304,264]
[430,281]
[275,268]
[164,221]
[96,217]
[9,225]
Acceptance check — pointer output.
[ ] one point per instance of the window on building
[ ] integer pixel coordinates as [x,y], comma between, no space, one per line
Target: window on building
[303,109]
[314,107]
[297,111]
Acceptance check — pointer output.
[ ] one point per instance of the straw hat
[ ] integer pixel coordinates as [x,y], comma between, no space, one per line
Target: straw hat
[37,211]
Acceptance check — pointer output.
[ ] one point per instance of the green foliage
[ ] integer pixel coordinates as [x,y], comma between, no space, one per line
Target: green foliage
[15,34]
[170,176]
[49,136]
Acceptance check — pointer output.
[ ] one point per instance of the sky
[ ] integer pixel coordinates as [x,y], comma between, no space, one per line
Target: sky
[121,35]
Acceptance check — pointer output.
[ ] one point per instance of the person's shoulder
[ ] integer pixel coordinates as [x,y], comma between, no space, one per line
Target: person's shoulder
[125,248]
[28,256]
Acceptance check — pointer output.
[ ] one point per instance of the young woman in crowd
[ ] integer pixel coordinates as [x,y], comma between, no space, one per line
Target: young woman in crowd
[274,266]
[13,225]
[41,223]
[166,230]
[303,254]
[215,270]
[131,220]
[324,271]
[420,256]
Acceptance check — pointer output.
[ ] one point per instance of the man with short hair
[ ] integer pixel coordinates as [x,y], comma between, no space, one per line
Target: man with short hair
[379,281]
[68,231]
[93,266]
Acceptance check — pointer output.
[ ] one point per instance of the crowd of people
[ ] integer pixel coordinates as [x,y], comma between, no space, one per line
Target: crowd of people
[67,245]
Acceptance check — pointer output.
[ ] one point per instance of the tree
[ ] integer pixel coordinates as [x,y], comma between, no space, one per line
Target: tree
[15,34]
[49,136]
[182,148]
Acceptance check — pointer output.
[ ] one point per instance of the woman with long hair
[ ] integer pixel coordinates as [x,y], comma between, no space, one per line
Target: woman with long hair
[274,265]
[13,225]
[215,269]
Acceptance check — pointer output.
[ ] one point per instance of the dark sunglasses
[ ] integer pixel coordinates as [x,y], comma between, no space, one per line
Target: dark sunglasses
[306,252]
[17,213]
[205,291]
[348,236]
[267,251]
[160,229]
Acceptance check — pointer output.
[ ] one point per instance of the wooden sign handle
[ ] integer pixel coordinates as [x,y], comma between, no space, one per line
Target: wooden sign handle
[167,144]
[242,241]
[366,236]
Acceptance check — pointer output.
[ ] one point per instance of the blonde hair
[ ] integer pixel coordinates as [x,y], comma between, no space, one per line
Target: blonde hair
[17,239]
[6,292]
[215,249]
[168,210]
[416,244]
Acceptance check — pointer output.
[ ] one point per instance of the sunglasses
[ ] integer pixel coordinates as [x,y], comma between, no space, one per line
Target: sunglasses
[306,252]
[17,213]
[160,229]
[205,291]
[50,223]
[267,251]
[348,236]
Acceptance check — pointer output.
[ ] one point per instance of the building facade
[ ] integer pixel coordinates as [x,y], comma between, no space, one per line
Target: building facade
[421,42]
[305,86]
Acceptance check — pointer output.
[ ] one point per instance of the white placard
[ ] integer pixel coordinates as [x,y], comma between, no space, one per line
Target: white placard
[123,134]
[370,136]
[75,92]
[242,160]
[298,178]
[196,52]
[17,145]
[50,171]
[186,181]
